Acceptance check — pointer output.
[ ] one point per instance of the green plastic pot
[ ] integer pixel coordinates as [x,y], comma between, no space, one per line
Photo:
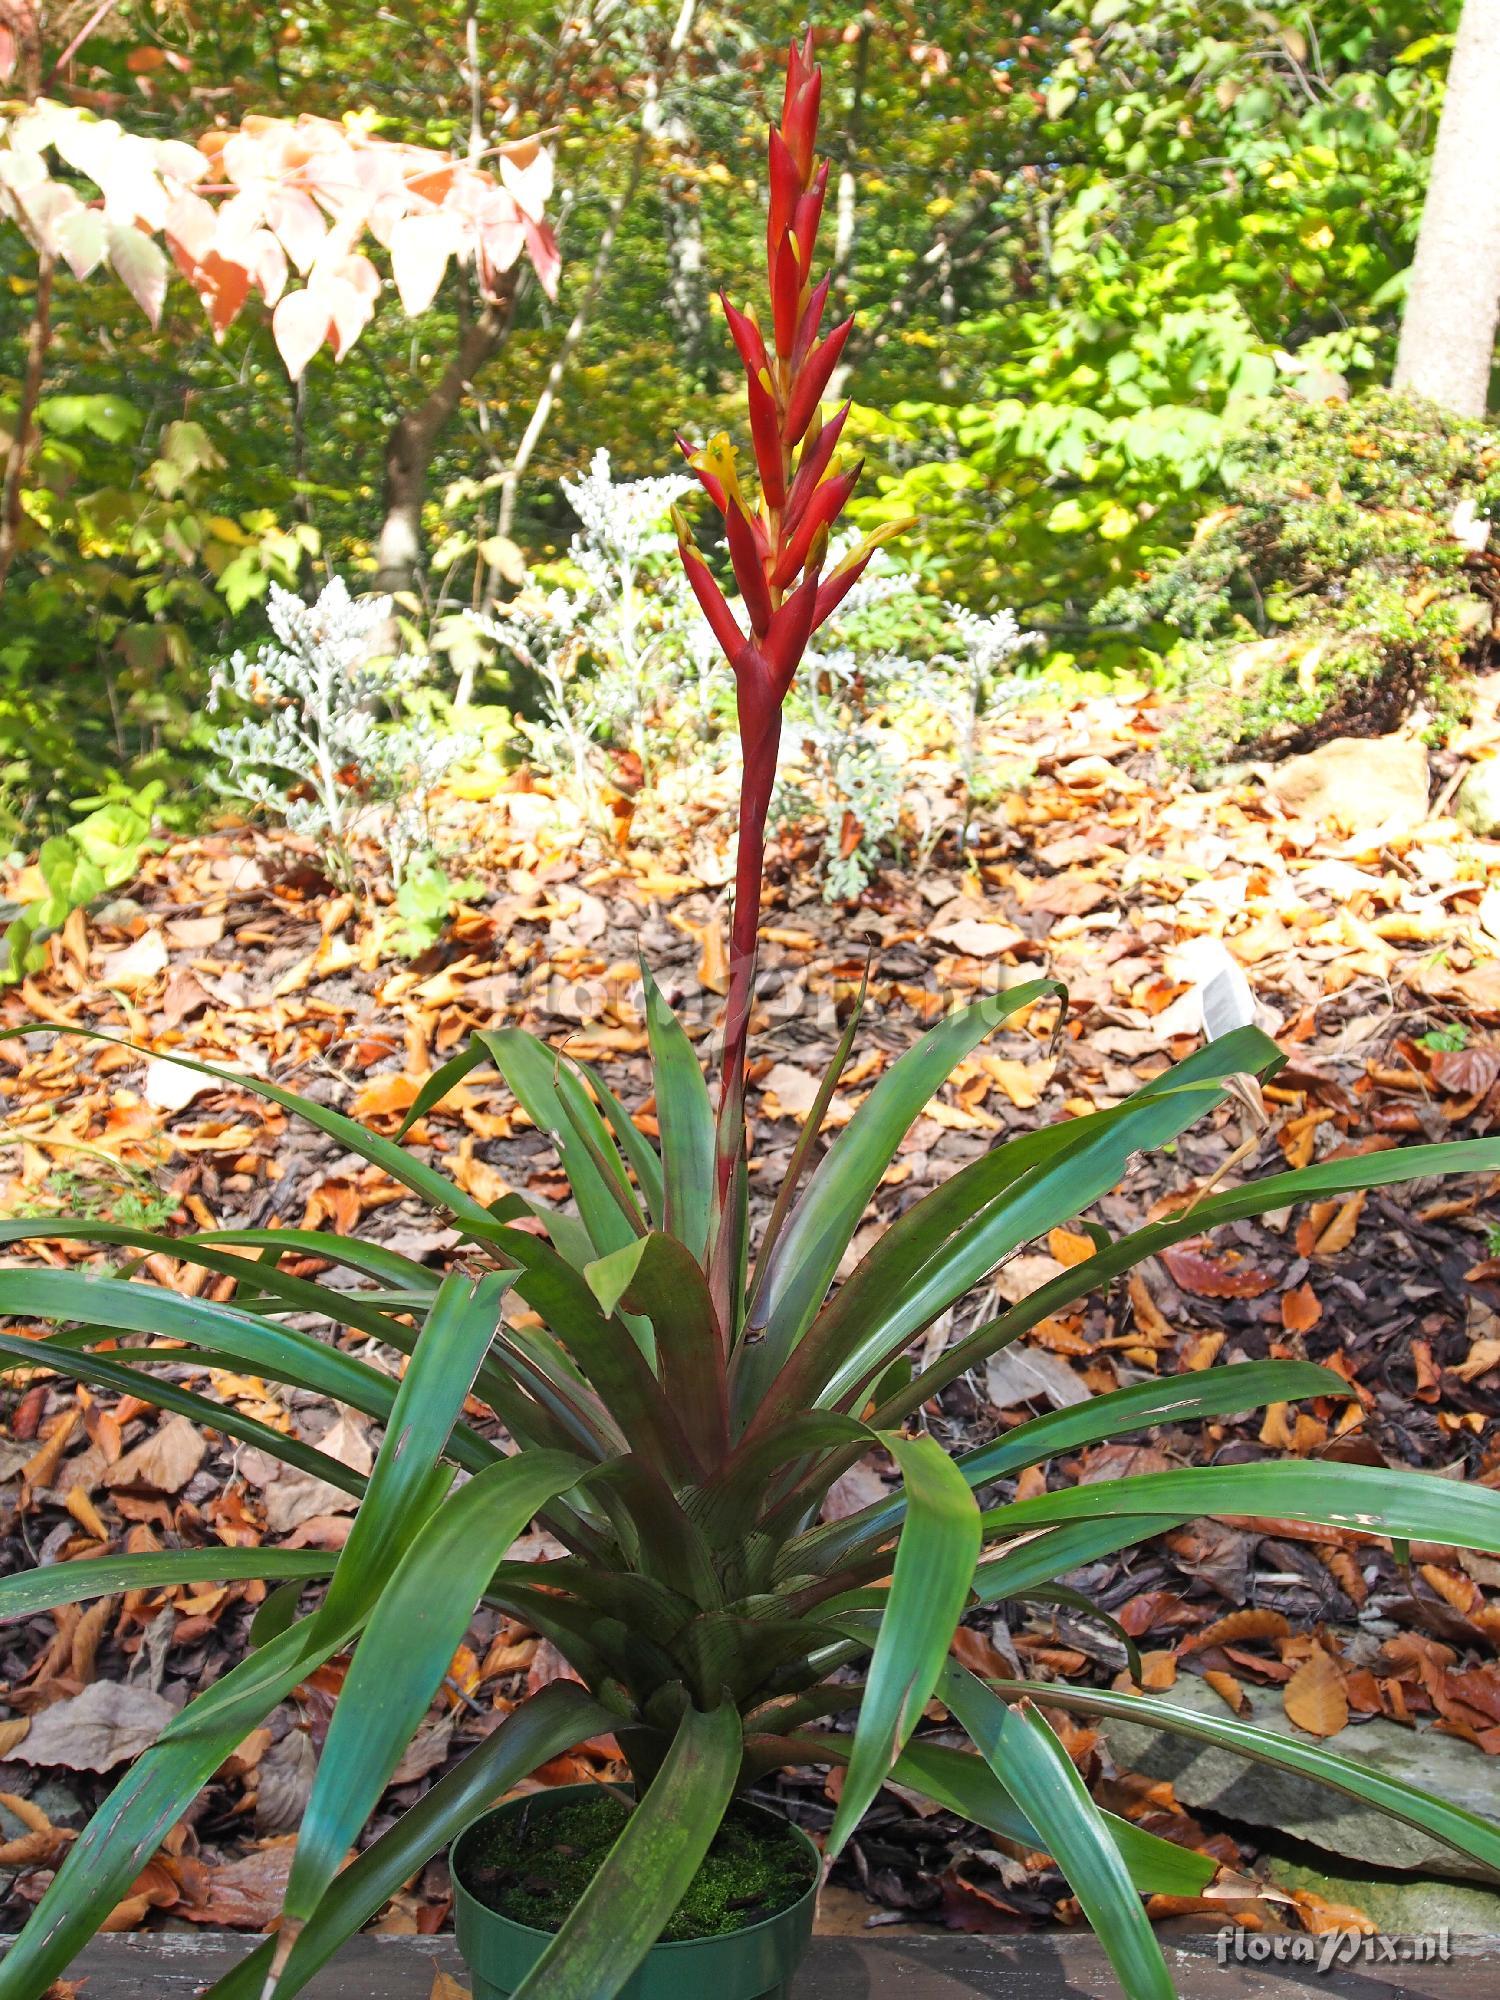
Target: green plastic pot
[756,1963]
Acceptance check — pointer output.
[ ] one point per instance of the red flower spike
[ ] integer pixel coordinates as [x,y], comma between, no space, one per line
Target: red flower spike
[808,216]
[786,189]
[786,295]
[748,570]
[765,434]
[711,486]
[746,336]
[811,466]
[813,380]
[789,633]
[832,594]
[778,546]
[824,508]
[799,123]
[799,67]
[721,620]
[808,324]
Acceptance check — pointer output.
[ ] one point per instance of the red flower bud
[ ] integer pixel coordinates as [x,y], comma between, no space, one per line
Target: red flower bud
[765,434]
[799,122]
[721,620]
[786,296]
[746,336]
[749,572]
[807,216]
[786,188]
[823,509]
[809,322]
[816,453]
[807,392]
[712,487]
[786,641]
[832,594]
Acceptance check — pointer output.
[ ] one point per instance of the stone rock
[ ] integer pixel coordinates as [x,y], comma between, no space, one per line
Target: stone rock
[1476,804]
[1365,783]
[1414,1906]
[1210,1779]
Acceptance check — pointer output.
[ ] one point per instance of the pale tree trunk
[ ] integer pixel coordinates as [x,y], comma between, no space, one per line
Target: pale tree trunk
[845,212]
[413,440]
[413,437]
[1447,345]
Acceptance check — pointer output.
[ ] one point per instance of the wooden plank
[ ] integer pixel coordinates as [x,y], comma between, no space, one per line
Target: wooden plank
[920,1966]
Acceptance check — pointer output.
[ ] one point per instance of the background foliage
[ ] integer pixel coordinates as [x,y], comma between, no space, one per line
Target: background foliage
[1085,238]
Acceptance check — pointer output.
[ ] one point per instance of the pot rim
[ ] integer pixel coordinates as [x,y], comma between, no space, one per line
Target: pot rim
[484,1912]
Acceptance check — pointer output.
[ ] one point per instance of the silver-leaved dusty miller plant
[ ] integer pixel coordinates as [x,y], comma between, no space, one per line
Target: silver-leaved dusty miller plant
[317,744]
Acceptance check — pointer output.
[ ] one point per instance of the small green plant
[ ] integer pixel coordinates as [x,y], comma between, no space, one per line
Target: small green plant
[1452,1038]
[1338,589]
[680,1395]
[100,852]
[120,1194]
[321,742]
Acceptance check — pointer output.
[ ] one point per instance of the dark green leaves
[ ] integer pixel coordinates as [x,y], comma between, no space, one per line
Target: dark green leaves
[1022,1748]
[929,1585]
[422,1613]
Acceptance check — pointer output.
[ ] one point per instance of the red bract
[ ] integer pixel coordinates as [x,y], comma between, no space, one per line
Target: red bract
[778,546]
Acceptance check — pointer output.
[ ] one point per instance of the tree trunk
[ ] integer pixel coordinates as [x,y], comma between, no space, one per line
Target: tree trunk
[650,126]
[1453,298]
[413,440]
[24,435]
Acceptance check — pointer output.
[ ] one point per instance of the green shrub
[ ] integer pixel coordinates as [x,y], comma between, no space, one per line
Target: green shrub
[1335,592]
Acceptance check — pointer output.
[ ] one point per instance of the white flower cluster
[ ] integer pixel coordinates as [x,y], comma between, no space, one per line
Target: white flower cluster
[314,745]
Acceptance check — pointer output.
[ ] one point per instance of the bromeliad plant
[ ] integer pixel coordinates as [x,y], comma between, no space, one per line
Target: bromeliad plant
[676,1409]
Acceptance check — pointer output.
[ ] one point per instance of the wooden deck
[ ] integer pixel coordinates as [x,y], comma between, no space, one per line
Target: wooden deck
[900,1967]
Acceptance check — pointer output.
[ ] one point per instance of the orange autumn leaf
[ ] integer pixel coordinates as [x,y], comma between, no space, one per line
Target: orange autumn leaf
[1069,1247]
[1315,1698]
[1238,1626]
[391,1092]
[1339,1233]
[1300,1309]
[1228,1689]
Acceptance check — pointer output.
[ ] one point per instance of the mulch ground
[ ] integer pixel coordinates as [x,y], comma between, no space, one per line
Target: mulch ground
[1374,958]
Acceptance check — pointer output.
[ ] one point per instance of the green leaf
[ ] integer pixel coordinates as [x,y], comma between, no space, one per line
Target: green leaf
[537,1080]
[637,1148]
[28,1591]
[134,1820]
[1066,1168]
[801,1268]
[658,1278]
[1021,1745]
[420,1617]
[807,1138]
[281,1351]
[686,1117]
[965,1784]
[106,1371]
[1180,1399]
[1056,1551]
[408,1479]
[550,1722]
[646,1873]
[470,1216]
[1370,1500]
[1463,1830]
[935,1559]
[1333,1177]
[1209,1392]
